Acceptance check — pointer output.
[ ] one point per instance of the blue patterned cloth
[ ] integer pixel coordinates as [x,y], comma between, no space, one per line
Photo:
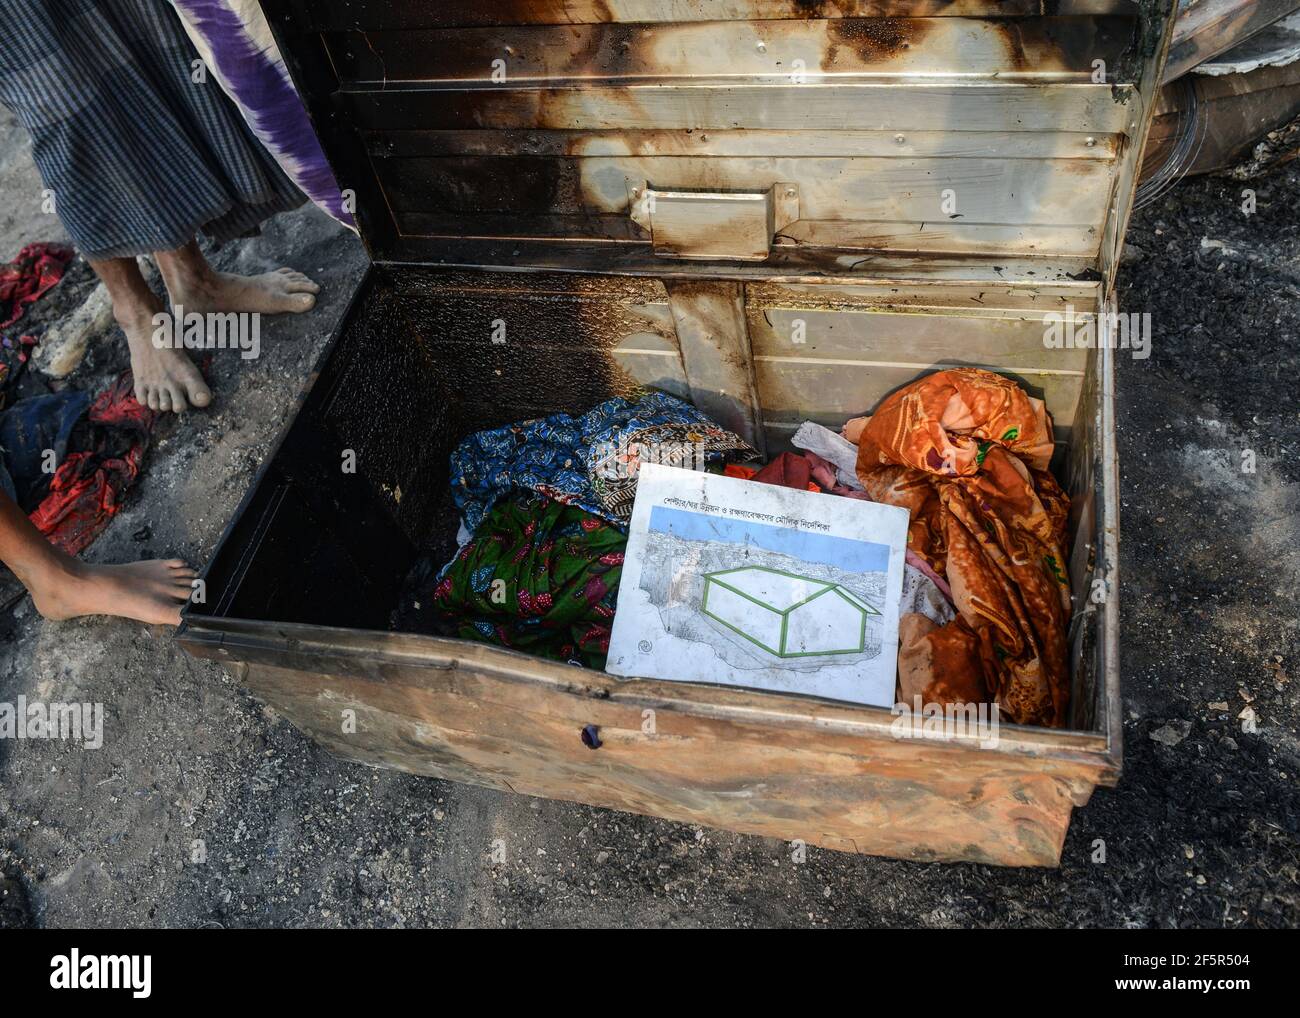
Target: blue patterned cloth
[552,455]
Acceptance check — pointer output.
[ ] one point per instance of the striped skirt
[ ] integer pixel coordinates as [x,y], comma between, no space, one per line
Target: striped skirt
[138,146]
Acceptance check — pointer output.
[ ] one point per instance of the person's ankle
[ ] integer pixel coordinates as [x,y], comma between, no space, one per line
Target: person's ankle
[186,272]
[135,314]
[52,575]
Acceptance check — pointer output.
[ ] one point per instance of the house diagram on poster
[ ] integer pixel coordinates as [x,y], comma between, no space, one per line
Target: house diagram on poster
[785,614]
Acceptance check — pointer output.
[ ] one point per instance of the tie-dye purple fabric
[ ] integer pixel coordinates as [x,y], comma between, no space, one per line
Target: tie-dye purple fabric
[235,42]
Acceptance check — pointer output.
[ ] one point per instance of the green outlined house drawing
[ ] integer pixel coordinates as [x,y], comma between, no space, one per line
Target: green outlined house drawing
[785,614]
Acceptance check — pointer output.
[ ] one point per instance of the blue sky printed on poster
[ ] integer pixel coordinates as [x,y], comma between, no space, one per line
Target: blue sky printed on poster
[857,556]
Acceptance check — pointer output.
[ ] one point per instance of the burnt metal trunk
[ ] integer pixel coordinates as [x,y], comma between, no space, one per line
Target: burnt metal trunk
[638,192]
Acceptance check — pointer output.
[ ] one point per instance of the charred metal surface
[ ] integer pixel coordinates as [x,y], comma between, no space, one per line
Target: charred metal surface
[787,264]
[707,95]
[1214,26]
[875,40]
[712,105]
[495,355]
[742,143]
[1153,18]
[417,280]
[415,14]
[305,510]
[472,184]
[992,47]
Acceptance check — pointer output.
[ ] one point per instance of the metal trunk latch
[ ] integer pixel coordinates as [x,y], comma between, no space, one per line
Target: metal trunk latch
[735,225]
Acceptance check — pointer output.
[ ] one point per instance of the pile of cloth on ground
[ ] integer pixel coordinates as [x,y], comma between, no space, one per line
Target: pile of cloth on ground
[23,281]
[67,457]
[545,505]
[36,269]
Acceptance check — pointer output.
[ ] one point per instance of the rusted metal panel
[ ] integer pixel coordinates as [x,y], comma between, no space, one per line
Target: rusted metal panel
[1033,49]
[756,763]
[745,143]
[721,104]
[525,121]
[417,14]
[915,804]
[714,340]
[1210,27]
[842,203]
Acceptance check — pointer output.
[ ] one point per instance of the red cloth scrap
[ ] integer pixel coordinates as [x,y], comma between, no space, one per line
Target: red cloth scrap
[37,268]
[88,488]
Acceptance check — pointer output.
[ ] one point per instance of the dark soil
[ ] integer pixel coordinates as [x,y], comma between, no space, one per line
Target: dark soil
[1210,567]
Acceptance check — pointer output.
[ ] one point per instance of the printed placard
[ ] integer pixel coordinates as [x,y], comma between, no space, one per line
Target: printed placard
[749,584]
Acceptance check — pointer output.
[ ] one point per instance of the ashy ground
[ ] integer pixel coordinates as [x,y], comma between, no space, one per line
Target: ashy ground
[1202,830]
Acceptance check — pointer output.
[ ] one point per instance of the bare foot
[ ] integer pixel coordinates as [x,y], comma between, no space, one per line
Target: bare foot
[269,293]
[151,591]
[166,378]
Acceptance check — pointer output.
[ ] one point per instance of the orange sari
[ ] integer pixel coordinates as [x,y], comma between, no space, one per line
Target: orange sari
[966,452]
